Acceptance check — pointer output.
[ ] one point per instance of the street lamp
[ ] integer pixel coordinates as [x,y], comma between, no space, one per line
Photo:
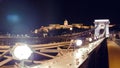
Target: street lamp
[78,42]
[90,39]
[21,52]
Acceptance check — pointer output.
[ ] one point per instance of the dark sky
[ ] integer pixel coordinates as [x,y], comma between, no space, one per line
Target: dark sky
[32,14]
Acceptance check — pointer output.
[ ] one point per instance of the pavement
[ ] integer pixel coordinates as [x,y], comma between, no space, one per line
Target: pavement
[114,54]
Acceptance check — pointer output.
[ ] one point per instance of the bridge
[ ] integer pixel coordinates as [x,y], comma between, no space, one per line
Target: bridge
[73,52]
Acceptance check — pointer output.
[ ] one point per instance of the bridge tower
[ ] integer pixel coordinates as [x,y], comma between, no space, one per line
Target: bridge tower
[101,24]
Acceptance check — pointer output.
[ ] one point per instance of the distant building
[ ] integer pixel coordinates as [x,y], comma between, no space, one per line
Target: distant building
[65,25]
[65,22]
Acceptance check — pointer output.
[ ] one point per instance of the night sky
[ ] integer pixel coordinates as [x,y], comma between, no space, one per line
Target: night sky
[22,16]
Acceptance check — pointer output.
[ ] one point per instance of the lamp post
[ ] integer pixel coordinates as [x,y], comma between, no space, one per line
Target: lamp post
[78,42]
[21,52]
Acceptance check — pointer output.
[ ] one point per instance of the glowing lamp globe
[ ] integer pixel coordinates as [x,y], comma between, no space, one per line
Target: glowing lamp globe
[78,42]
[21,51]
[90,39]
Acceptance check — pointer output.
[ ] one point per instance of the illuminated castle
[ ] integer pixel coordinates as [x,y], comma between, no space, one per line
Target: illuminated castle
[66,25]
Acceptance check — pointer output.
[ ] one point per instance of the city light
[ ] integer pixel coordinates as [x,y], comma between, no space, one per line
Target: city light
[71,29]
[21,51]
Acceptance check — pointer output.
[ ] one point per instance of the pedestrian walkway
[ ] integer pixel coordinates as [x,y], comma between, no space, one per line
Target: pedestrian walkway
[113,54]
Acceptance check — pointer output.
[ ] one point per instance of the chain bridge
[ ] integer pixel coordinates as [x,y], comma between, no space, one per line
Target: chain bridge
[74,50]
